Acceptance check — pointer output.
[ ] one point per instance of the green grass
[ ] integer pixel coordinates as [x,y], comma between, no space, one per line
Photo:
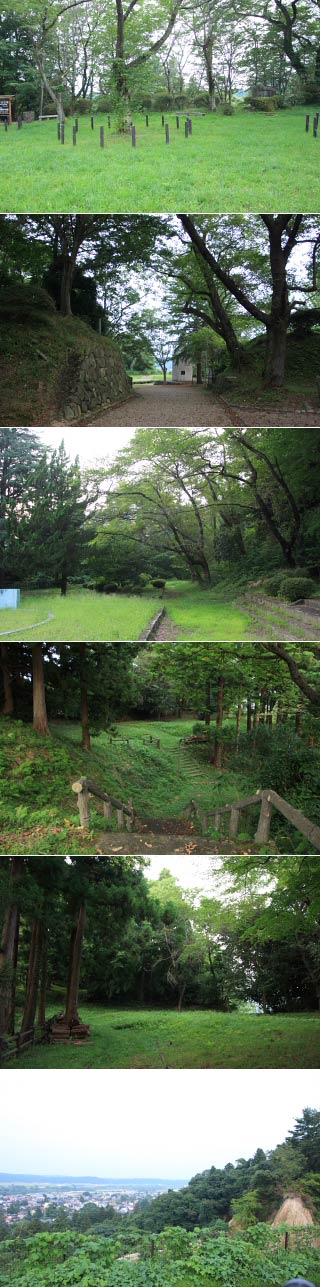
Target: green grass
[191,1039]
[246,162]
[82,614]
[199,614]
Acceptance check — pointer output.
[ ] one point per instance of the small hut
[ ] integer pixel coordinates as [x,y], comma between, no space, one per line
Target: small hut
[293,1212]
[182,370]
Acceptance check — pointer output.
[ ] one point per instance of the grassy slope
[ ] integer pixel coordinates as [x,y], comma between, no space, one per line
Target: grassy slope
[192,1039]
[82,615]
[302,362]
[39,812]
[250,161]
[32,359]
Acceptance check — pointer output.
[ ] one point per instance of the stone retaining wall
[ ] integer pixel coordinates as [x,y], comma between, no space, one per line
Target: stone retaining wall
[92,378]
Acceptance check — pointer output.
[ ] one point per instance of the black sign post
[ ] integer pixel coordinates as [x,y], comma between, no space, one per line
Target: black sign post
[6,101]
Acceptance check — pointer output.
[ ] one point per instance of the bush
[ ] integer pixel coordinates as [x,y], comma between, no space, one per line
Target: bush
[297,587]
[267,104]
[228,110]
[274,582]
[158,583]
[24,302]
[105,587]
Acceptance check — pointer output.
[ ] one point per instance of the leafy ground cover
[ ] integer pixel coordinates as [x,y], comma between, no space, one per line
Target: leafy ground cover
[244,162]
[190,1039]
[80,615]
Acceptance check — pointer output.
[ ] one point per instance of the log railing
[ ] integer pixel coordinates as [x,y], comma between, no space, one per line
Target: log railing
[84,789]
[268,800]
[16,1043]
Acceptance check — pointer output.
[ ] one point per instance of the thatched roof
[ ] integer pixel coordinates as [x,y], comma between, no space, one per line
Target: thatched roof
[294,1212]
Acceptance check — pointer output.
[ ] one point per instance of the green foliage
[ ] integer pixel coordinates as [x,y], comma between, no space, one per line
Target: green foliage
[297,587]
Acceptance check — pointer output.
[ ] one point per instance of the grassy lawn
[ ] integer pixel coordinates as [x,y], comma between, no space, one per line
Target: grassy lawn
[192,1039]
[201,615]
[82,615]
[249,161]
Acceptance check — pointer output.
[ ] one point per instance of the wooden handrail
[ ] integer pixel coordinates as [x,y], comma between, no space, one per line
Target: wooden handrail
[84,788]
[17,1042]
[268,800]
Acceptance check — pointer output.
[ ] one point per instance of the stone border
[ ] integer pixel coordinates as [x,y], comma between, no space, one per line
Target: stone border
[151,630]
[4,633]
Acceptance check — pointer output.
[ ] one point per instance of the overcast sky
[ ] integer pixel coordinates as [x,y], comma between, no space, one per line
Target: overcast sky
[165,1124]
[88,443]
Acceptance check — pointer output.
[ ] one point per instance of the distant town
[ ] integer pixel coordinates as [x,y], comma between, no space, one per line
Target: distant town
[21,1199]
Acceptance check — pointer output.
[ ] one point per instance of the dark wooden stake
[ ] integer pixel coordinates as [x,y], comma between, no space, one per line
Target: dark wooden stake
[167,134]
[101,136]
[162,120]
[190,125]
[307,123]
[62,133]
[76,125]
[92,122]
[19,122]
[133,136]
[109,123]
[315,128]
[147,120]
[74,136]
[186,129]
[59,131]
[178,122]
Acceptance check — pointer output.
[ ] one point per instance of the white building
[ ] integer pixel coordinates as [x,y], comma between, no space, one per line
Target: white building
[182,371]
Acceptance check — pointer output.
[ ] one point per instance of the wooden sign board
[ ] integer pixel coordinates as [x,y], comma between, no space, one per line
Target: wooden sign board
[6,108]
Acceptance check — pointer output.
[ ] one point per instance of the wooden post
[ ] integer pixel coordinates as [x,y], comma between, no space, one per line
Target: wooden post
[217,820]
[74,136]
[59,131]
[147,120]
[263,828]
[234,822]
[76,125]
[81,790]
[107,809]
[186,129]
[167,134]
[178,122]
[315,127]
[307,123]
[158,743]
[19,122]
[92,122]
[120,817]
[190,125]
[133,136]
[109,123]
[62,133]
[129,820]
[101,136]
[162,120]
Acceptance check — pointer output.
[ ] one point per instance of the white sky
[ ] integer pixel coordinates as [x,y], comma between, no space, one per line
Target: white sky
[157,1123]
[190,871]
[88,443]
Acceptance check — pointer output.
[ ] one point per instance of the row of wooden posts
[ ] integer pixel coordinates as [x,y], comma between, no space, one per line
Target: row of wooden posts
[75,130]
[84,789]
[16,1043]
[315,124]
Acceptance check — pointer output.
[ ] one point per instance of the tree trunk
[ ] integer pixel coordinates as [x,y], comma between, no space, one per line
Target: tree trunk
[9,950]
[71,1015]
[276,351]
[199,371]
[66,284]
[8,704]
[43,981]
[86,743]
[207,715]
[276,346]
[218,746]
[249,715]
[30,1005]
[64,582]
[40,720]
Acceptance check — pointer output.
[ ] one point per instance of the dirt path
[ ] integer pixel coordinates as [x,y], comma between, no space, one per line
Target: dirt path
[289,623]
[167,404]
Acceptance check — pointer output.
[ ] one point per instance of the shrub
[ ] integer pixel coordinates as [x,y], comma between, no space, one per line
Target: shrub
[267,104]
[227,109]
[158,582]
[274,582]
[297,587]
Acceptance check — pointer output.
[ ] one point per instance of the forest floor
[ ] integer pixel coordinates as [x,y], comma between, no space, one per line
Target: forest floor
[121,1038]
[245,162]
[171,786]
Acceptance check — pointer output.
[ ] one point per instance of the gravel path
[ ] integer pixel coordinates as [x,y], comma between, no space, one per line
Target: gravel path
[167,404]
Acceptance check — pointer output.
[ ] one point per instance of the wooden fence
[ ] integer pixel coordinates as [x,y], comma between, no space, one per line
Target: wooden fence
[15,1043]
[84,789]
[268,801]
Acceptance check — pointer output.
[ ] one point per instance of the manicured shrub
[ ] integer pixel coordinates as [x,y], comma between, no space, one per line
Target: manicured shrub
[158,583]
[297,587]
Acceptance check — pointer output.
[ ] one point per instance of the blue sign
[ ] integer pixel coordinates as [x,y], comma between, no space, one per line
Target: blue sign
[9,598]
